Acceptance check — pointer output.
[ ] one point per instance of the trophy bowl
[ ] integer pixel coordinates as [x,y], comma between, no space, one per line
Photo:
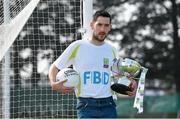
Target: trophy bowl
[123,72]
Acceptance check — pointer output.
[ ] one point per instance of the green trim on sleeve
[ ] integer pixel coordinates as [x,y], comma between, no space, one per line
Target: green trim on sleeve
[114,53]
[74,52]
[72,56]
[79,88]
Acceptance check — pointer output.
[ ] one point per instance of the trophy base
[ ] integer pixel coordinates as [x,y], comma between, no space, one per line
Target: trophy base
[120,88]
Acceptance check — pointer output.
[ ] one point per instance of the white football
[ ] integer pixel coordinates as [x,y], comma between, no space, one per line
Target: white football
[70,75]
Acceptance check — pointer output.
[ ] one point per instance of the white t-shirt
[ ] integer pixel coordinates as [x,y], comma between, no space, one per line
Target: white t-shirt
[93,64]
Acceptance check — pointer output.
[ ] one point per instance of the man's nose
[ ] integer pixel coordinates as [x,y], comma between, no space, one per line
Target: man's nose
[102,29]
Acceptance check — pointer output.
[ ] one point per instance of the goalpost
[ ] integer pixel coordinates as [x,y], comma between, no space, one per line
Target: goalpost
[33,33]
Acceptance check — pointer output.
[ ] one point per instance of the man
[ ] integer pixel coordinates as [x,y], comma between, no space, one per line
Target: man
[92,58]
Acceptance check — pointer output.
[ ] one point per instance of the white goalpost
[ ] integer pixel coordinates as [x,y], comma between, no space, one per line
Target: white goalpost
[87,16]
[33,34]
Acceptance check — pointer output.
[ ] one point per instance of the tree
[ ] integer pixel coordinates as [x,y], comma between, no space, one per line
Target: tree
[176,47]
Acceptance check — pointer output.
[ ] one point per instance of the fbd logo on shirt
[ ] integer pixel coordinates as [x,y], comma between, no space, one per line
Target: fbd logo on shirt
[106,63]
[96,77]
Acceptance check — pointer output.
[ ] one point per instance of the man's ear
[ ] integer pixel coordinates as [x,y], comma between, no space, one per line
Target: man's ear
[110,28]
[91,24]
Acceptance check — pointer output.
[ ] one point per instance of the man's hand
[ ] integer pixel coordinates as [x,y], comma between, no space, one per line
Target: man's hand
[133,86]
[59,87]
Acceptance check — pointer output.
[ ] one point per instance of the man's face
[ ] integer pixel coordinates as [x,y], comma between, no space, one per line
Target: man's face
[101,28]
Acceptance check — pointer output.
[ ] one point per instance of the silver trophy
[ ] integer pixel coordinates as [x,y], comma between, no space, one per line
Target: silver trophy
[123,72]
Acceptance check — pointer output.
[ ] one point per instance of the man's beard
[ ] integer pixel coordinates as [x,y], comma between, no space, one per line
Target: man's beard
[95,37]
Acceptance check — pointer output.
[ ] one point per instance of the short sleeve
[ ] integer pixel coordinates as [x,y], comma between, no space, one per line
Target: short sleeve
[67,57]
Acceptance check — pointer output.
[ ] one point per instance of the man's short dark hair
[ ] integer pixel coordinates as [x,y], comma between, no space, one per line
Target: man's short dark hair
[102,13]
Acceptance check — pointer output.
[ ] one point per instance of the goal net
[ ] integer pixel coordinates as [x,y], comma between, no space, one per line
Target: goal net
[34,34]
